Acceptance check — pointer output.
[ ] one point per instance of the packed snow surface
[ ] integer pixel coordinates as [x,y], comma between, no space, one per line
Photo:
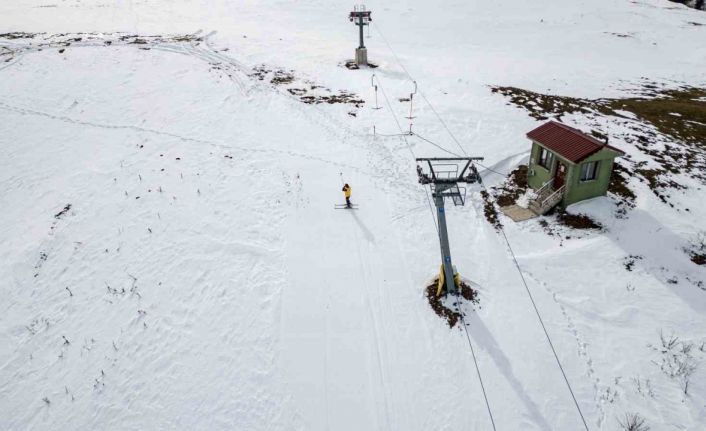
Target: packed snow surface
[170,257]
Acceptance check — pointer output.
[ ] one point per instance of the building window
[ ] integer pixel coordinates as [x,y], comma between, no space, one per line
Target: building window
[589,171]
[545,158]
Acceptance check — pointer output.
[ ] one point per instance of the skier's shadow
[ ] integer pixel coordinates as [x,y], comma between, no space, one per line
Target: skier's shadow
[485,339]
[366,232]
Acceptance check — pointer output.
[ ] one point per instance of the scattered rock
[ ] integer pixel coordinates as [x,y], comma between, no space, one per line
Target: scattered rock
[62,212]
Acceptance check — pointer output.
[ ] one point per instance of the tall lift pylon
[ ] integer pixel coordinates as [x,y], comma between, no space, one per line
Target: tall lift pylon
[361,18]
[443,174]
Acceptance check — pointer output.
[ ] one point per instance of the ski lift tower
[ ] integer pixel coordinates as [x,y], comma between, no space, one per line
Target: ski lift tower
[442,175]
[361,18]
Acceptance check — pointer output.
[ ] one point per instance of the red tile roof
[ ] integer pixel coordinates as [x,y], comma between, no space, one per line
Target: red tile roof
[569,143]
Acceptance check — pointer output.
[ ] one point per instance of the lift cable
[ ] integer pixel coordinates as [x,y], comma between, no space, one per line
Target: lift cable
[399,62]
[473,353]
[507,241]
[434,144]
[491,170]
[409,147]
[536,310]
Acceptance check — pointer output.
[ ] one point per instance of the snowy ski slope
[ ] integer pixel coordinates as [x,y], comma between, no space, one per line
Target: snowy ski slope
[202,280]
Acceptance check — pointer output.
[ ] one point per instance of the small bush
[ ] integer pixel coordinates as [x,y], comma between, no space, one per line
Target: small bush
[633,422]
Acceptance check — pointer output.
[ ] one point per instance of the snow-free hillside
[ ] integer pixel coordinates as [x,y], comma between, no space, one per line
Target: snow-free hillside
[170,257]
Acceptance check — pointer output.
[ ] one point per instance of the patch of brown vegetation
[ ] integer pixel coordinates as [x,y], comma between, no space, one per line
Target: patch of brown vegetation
[680,113]
[436,302]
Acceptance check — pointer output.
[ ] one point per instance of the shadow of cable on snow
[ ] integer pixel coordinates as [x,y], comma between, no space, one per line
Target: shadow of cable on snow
[482,336]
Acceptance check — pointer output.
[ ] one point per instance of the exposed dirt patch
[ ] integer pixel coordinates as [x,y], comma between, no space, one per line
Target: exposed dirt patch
[619,184]
[296,91]
[441,309]
[514,187]
[342,97]
[697,249]
[187,38]
[307,91]
[563,226]
[282,77]
[491,214]
[577,221]
[17,35]
[351,65]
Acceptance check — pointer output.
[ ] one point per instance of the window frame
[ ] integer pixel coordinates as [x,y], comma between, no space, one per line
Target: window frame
[547,161]
[585,169]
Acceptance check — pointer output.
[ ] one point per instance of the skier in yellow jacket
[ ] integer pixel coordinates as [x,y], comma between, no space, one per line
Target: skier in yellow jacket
[347,192]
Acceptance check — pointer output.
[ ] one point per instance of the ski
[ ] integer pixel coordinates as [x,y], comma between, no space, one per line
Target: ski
[344,207]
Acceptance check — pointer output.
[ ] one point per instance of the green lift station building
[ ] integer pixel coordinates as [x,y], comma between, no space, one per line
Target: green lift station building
[567,166]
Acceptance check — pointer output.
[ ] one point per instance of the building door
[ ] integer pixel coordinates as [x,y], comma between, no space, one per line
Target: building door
[559,175]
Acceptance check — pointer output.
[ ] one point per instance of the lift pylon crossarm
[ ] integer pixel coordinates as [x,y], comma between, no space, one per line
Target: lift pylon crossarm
[435,173]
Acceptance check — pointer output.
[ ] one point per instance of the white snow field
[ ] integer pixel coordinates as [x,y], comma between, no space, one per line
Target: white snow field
[201,279]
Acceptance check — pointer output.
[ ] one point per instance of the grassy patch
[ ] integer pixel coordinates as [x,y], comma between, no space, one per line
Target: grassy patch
[679,113]
[577,221]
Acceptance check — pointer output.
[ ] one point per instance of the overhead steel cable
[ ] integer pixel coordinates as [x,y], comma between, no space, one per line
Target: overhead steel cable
[441,120]
[507,241]
[434,144]
[491,170]
[473,353]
